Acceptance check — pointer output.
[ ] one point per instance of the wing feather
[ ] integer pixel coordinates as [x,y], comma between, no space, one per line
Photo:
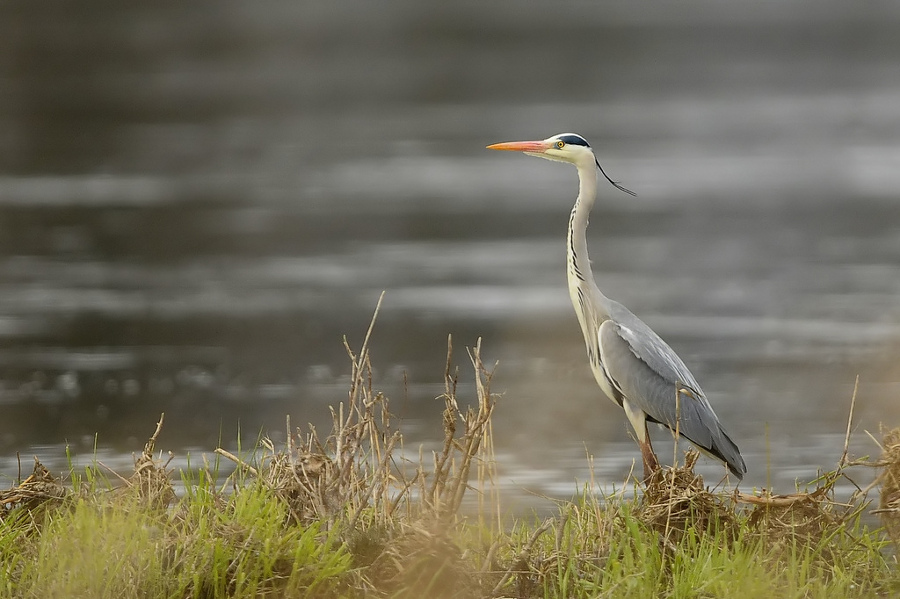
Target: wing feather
[652,376]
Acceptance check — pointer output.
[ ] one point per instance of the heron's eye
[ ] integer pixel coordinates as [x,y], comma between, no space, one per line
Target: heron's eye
[560,144]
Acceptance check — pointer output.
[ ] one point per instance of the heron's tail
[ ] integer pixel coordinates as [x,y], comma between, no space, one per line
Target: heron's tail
[726,450]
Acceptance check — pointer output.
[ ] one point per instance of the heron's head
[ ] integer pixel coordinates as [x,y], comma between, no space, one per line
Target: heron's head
[565,147]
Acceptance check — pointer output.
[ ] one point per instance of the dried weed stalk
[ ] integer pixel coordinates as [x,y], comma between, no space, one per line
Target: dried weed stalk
[151,476]
[453,464]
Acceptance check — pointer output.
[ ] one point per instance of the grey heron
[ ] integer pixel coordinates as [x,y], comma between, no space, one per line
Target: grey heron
[630,362]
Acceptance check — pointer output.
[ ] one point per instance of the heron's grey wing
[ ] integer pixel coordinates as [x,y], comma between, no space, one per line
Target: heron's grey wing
[649,347]
[652,377]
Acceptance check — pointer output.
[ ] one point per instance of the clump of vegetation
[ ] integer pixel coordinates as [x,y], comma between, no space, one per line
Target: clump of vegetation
[889,478]
[355,514]
[676,501]
[38,491]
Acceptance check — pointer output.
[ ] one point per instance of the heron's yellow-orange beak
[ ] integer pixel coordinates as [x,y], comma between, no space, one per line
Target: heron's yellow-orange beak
[521,146]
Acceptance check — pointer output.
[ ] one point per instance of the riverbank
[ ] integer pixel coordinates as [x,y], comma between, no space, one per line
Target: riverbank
[355,513]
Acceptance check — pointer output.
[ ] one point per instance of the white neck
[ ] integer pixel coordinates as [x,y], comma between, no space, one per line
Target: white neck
[590,304]
[579,265]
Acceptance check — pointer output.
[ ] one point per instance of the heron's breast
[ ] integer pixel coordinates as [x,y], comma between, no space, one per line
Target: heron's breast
[603,381]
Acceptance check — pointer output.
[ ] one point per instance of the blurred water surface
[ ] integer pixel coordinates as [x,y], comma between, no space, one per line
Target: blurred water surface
[198,203]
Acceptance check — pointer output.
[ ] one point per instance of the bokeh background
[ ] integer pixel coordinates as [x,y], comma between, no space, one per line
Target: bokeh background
[197,202]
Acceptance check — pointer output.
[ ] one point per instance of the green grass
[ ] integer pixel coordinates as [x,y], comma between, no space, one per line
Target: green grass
[245,544]
[591,550]
[346,516]
[109,544]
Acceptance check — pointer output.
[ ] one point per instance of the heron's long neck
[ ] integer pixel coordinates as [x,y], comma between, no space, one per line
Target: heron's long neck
[579,265]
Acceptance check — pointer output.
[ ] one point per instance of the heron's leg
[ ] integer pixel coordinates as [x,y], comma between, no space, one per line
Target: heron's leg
[638,420]
[651,464]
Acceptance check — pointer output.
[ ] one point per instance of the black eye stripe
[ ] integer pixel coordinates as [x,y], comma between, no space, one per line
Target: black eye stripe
[575,140]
